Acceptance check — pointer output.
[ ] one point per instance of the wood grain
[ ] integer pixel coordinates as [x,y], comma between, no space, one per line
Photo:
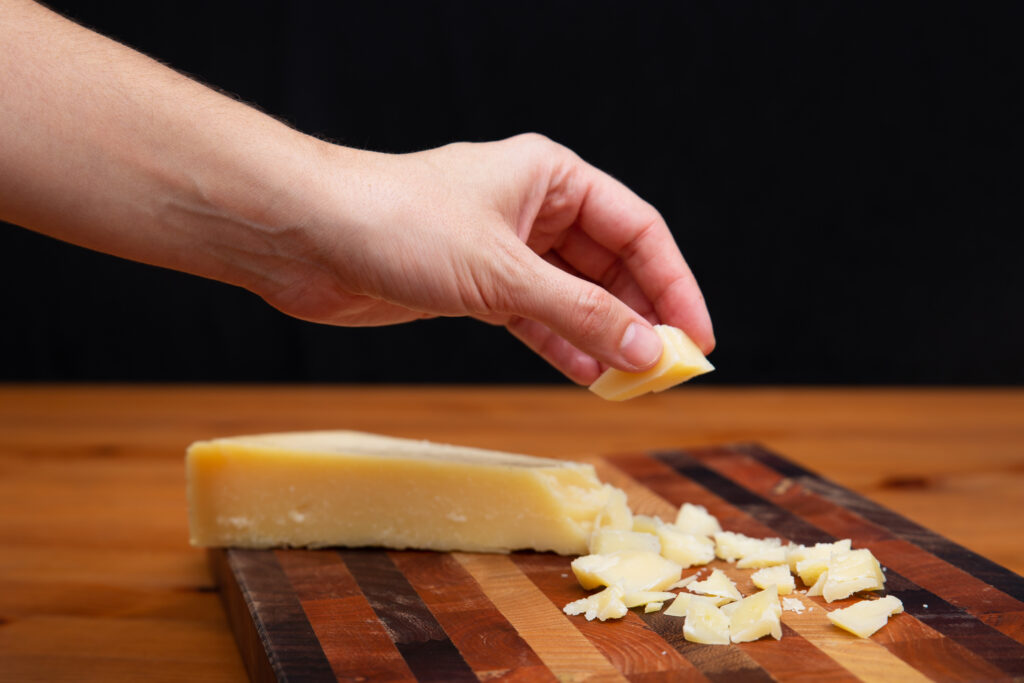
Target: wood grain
[92,508]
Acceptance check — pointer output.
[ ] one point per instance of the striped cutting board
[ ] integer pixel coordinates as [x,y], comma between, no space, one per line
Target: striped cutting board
[372,614]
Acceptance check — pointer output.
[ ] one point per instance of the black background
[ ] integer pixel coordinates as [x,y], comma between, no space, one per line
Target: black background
[843,177]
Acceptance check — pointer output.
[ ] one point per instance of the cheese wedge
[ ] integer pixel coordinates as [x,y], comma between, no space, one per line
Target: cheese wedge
[680,360]
[342,488]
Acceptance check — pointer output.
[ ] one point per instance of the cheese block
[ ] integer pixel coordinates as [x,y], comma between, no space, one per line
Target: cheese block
[680,360]
[343,488]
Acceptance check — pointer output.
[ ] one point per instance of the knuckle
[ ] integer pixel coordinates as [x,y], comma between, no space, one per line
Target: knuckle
[592,314]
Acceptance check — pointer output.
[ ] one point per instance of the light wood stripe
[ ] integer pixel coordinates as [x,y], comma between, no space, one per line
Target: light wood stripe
[558,643]
[863,657]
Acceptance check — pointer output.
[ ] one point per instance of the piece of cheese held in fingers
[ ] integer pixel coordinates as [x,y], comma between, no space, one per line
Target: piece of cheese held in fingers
[681,360]
[343,488]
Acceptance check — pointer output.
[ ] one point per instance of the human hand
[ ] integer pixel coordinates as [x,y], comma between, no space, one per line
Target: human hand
[520,233]
[144,163]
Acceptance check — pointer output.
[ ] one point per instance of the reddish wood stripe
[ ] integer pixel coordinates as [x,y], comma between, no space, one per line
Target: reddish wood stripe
[423,643]
[973,634]
[350,634]
[488,642]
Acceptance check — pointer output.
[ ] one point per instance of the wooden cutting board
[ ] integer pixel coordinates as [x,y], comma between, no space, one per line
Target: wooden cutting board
[371,614]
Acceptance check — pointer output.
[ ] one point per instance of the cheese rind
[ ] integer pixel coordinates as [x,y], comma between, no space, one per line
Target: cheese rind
[343,488]
[680,360]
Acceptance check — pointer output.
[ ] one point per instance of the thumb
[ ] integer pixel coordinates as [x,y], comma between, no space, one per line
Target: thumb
[588,317]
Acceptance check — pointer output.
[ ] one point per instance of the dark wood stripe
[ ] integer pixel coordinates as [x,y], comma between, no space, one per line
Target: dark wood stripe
[923,568]
[352,638]
[977,565]
[488,642]
[927,570]
[628,643]
[416,633]
[951,621]
[716,662]
[943,655]
[290,645]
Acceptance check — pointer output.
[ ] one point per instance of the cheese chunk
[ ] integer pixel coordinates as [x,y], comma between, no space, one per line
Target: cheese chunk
[679,605]
[685,549]
[866,616]
[695,519]
[646,597]
[680,360]
[705,623]
[605,541]
[317,489]
[756,616]
[777,576]
[632,570]
[718,585]
[808,562]
[647,524]
[850,572]
[605,605]
[731,546]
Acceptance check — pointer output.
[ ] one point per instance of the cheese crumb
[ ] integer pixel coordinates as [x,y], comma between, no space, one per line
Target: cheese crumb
[793,605]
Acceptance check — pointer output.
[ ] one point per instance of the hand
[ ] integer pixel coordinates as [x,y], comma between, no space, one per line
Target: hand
[108,149]
[520,233]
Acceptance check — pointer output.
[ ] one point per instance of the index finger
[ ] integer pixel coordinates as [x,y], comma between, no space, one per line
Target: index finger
[632,230]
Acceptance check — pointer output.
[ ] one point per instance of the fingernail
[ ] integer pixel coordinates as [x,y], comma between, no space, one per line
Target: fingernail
[640,346]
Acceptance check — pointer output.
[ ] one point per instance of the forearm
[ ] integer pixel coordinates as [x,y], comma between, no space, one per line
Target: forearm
[108,149]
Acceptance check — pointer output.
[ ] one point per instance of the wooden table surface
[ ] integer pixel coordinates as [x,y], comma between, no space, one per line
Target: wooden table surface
[97,581]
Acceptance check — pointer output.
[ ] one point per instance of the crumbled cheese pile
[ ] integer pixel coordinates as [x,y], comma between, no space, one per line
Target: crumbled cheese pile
[638,561]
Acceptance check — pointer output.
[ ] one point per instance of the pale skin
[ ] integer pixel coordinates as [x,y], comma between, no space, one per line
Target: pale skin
[103,147]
